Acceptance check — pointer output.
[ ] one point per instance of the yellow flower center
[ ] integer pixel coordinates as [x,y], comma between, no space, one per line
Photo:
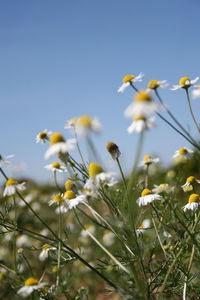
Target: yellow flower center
[191,179]
[69,195]
[88,226]
[183,151]
[69,184]
[73,121]
[56,138]
[85,121]
[94,169]
[185,82]
[143,96]
[45,247]
[30,281]
[128,78]
[139,118]
[193,198]
[146,192]
[55,165]
[147,157]
[57,198]
[11,181]
[153,84]
[55,269]
[42,135]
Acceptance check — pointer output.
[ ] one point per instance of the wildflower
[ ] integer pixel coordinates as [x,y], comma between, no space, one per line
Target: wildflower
[147,197]
[108,238]
[71,123]
[69,185]
[193,203]
[73,199]
[5,160]
[190,181]
[59,145]
[163,187]
[87,228]
[128,80]
[183,153]
[56,199]
[12,185]
[145,225]
[113,149]
[85,124]
[148,160]
[196,92]
[154,84]
[143,104]
[43,136]
[31,284]
[141,123]
[45,250]
[56,166]
[184,83]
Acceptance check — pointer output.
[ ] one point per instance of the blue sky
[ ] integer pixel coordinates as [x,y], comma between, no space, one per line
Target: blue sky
[61,59]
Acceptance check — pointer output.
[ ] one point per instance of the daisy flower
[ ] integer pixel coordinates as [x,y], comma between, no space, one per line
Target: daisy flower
[148,160]
[163,187]
[141,123]
[154,84]
[113,149]
[59,145]
[193,203]
[88,228]
[12,185]
[85,124]
[45,250]
[185,83]
[56,166]
[60,201]
[43,136]
[108,238]
[147,197]
[196,92]
[143,104]
[145,225]
[31,284]
[70,185]
[184,153]
[71,123]
[5,160]
[128,80]
[73,199]
[190,181]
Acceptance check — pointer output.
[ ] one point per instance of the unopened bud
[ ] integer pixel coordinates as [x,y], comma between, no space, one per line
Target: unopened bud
[113,149]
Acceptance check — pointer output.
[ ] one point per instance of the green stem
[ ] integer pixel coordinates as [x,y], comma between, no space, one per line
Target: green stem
[191,111]
[59,246]
[15,232]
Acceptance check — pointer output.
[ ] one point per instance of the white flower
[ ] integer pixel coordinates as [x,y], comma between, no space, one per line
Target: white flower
[56,166]
[193,203]
[184,83]
[128,80]
[12,186]
[71,123]
[188,186]
[88,228]
[167,234]
[145,225]
[30,285]
[143,104]
[154,84]
[5,160]
[108,238]
[196,92]
[45,250]
[147,197]
[183,153]
[76,201]
[43,136]
[148,160]
[85,124]
[56,199]
[141,123]
[163,187]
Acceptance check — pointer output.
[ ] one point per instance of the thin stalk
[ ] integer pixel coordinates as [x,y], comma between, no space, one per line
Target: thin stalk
[191,111]
[28,264]
[186,277]
[124,181]
[158,237]
[15,232]
[146,181]
[56,182]
[59,245]
[93,151]
[78,147]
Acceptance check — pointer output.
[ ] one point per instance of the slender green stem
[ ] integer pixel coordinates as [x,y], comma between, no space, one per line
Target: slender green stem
[191,111]
[56,182]
[15,232]
[28,264]
[124,181]
[78,147]
[147,176]
[59,244]
[186,277]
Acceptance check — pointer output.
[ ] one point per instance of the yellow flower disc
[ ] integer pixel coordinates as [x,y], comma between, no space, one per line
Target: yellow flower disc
[128,78]
[69,184]
[183,151]
[153,84]
[57,198]
[191,179]
[139,118]
[146,192]
[55,165]
[42,135]
[69,195]
[30,281]
[45,247]
[11,181]
[56,138]
[143,96]
[85,121]
[193,198]
[185,81]
[94,169]
[147,157]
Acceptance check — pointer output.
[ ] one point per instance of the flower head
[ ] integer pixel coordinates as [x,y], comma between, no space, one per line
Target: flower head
[56,199]
[5,160]
[56,166]
[185,83]
[113,149]
[71,123]
[31,284]
[45,250]
[148,160]
[12,185]
[163,188]
[128,80]
[154,84]
[183,153]
[193,202]
[69,185]
[147,197]
[143,226]
[141,123]
[85,124]
[43,136]
[196,92]
[190,181]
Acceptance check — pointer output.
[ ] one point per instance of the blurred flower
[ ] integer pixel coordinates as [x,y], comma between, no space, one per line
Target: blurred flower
[184,83]
[73,199]
[141,123]
[70,185]
[88,228]
[56,199]
[163,187]
[108,238]
[196,92]
[147,197]
[184,153]
[113,149]
[85,124]
[5,160]
[71,123]
[148,160]
[31,284]
[56,166]
[145,225]
[188,186]
[45,250]
[43,136]
[128,79]
[193,203]
[154,84]
[12,185]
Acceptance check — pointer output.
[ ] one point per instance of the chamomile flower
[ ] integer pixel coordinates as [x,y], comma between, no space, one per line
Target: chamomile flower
[85,124]
[45,250]
[73,199]
[154,84]
[56,199]
[148,160]
[196,92]
[5,160]
[147,197]
[128,80]
[143,104]
[145,225]
[141,123]
[56,166]
[43,136]
[163,188]
[183,153]
[60,201]
[59,146]
[185,83]
[193,203]
[12,185]
[31,284]
[113,149]
[190,181]
[71,123]
[88,228]
[70,185]
[108,238]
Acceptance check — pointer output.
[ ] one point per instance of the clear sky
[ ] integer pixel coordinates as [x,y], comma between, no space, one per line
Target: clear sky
[60,59]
